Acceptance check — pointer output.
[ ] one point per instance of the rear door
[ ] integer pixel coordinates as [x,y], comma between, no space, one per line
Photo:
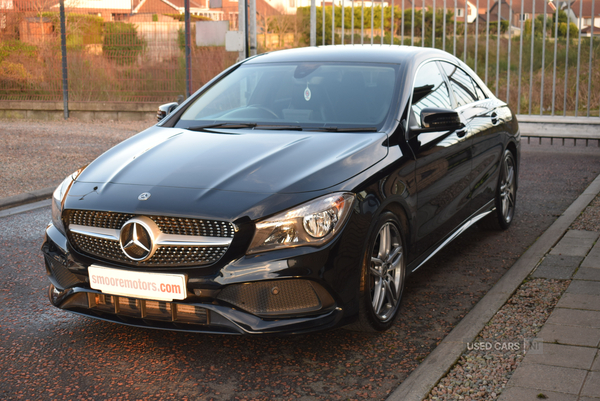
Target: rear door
[484,122]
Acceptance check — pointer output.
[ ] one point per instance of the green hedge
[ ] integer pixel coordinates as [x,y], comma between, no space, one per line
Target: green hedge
[122,43]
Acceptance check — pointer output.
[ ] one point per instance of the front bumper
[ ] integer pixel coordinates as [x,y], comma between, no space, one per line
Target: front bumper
[194,317]
[238,308]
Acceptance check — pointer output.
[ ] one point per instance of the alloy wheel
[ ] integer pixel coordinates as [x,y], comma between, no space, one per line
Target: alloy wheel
[386,272]
[507,188]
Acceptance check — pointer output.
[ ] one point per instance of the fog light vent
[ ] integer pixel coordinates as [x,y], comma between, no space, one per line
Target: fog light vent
[283,297]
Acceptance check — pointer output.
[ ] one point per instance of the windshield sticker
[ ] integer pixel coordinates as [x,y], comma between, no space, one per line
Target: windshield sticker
[307,93]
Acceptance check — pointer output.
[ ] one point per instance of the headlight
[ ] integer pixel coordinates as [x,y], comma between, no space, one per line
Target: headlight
[58,198]
[313,223]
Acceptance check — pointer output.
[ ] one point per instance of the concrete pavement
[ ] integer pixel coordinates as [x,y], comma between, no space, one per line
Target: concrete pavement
[558,253]
[567,364]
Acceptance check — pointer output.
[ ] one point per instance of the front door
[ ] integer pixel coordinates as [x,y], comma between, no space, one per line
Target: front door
[443,163]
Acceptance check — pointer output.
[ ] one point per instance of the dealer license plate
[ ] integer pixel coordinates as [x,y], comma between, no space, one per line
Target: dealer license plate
[158,286]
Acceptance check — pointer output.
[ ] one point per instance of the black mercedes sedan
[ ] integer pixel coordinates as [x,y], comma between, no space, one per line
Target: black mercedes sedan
[292,193]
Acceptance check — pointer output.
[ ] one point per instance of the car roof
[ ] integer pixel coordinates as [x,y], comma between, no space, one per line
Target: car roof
[352,53]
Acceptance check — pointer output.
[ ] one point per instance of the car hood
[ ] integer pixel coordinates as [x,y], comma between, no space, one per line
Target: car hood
[250,161]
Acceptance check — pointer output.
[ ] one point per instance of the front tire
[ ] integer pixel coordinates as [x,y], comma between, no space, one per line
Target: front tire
[506,196]
[383,276]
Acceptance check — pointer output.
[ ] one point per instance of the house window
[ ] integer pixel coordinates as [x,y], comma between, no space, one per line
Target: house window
[292,3]
[2,21]
[523,17]
[233,21]
[460,12]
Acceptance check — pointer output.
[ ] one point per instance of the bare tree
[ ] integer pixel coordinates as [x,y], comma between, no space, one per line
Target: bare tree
[282,23]
[263,22]
[39,6]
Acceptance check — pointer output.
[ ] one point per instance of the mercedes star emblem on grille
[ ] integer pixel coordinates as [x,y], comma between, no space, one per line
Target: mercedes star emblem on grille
[144,196]
[137,239]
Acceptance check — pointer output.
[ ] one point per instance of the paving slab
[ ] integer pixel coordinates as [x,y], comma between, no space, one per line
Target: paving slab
[584,287]
[593,258]
[587,273]
[596,365]
[575,243]
[551,378]
[558,267]
[579,301]
[529,394]
[583,336]
[567,356]
[575,317]
[591,388]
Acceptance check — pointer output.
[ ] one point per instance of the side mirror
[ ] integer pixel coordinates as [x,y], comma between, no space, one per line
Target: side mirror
[434,119]
[165,109]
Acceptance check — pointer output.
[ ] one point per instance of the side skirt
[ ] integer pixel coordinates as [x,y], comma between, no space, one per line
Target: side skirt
[481,213]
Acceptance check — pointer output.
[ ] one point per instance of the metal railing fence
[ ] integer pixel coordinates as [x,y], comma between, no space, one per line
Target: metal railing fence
[538,66]
[111,55]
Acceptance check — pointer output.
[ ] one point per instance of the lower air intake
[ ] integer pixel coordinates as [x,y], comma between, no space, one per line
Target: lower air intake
[277,298]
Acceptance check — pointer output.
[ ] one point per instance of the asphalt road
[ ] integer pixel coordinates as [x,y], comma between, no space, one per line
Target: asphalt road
[46,353]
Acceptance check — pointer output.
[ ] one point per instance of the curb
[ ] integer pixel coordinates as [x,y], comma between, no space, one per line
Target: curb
[25,208]
[28,197]
[526,118]
[420,382]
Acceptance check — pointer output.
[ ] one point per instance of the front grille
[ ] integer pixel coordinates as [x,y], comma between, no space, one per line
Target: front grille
[165,255]
[102,248]
[171,225]
[91,218]
[191,255]
[167,224]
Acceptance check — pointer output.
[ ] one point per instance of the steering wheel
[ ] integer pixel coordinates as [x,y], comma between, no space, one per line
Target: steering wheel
[265,109]
[252,112]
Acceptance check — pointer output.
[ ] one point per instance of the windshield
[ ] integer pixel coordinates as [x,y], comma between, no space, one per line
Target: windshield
[297,95]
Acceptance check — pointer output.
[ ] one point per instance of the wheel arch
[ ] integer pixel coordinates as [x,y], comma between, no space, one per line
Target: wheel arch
[401,212]
[512,146]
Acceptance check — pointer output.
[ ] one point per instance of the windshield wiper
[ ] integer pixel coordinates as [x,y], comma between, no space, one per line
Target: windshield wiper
[246,125]
[222,125]
[282,127]
[346,129]
[279,127]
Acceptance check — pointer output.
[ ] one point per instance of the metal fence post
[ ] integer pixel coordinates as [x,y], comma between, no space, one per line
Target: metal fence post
[242,27]
[63,50]
[352,21]
[333,22]
[313,22]
[188,52]
[544,29]
[532,51]
[323,28]
[343,17]
[590,66]
[252,23]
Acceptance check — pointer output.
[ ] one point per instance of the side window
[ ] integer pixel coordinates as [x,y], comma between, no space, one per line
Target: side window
[480,94]
[430,91]
[463,86]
